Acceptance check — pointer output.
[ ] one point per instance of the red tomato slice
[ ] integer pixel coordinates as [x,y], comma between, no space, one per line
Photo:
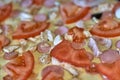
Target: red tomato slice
[72,13]
[116,6]
[3,41]
[5,11]
[106,28]
[22,67]
[77,33]
[38,2]
[66,53]
[112,71]
[52,72]
[29,29]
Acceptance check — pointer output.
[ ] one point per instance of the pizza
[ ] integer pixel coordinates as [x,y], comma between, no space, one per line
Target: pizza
[59,40]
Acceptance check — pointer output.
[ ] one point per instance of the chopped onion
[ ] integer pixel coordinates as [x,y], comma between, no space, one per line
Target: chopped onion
[49,35]
[85,3]
[80,24]
[57,40]
[93,45]
[66,66]
[103,41]
[25,16]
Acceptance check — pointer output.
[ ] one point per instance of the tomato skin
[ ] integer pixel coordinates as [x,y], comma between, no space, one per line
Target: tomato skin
[3,41]
[5,11]
[77,33]
[29,29]
[76,13]
[106,28]
[112,71]
[38,2]
[66,53]
[21,70]
[116,6]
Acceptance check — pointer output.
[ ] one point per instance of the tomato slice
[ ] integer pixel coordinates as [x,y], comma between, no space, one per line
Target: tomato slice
[77,34]
[116,6]
[22,67]
[29,29]
[5,11]
[66,53]
[106,28]
[3,41]
[72,13]
[112,71]
[38,2]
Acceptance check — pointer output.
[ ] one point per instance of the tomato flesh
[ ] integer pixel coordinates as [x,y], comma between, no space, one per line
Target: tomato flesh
[23,69]
[72,13]
[29,29]
[66,53]
[5,11]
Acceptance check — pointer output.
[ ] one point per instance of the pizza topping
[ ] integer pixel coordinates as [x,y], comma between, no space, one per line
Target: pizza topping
[72,13]
[5,11]
[3,41]
[25,16]
[49,3]
[10,55]
[61,30]
[29,29]
[85,3]
[43,47]
[117,12]
[66,53]
[106,28]
[97,15]
[111,70]
[40,17]
[77,34]
[21,68]
[45,59]
[109,56]
[7,77]
[103,41]
[93,45]
[66,66]
[26,3]
[118,44]
[10,48]
[52,72]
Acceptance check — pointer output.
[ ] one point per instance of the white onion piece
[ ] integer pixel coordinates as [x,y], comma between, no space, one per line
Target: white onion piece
[66,66]
[118,44]
[85,3]
[61,30]
[26,3]
[49,35]
[104,77]
[109,56]
[117,13]
[57,40]
[25,16]
[93,45]
[40,17]
[80,24]
[104,41]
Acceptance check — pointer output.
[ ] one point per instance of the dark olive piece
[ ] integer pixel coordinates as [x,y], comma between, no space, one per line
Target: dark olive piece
[97,15]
